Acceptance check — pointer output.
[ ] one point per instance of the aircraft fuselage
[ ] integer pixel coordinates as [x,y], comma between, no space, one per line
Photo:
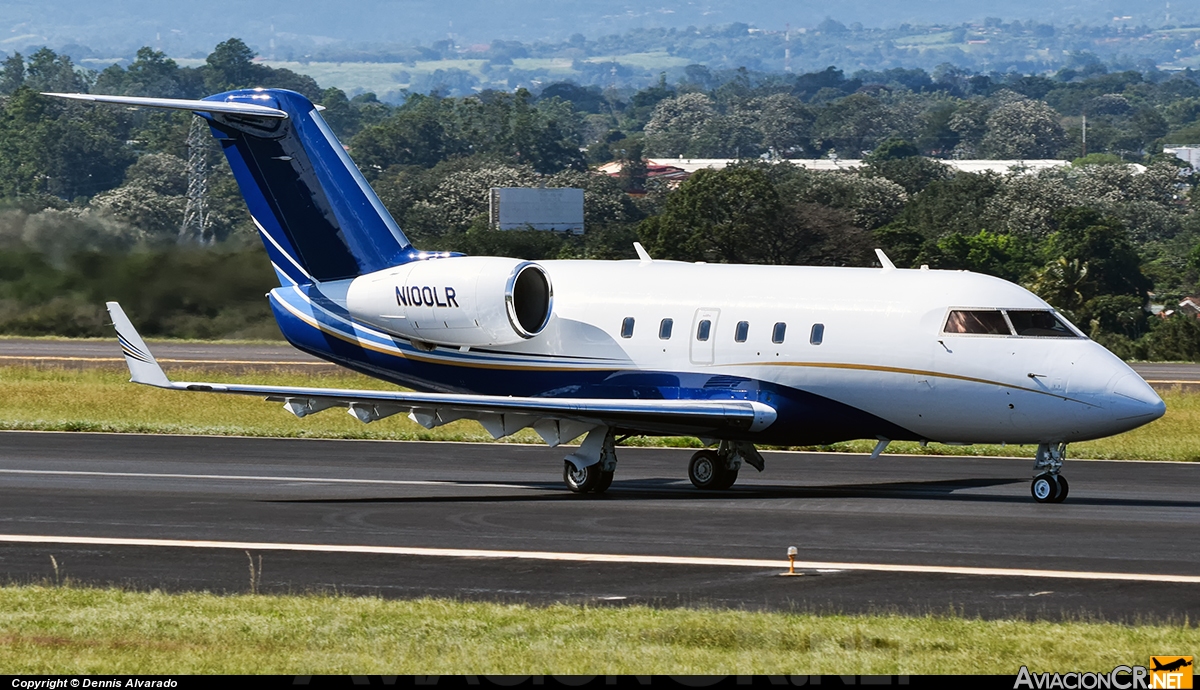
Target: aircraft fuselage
[840,353]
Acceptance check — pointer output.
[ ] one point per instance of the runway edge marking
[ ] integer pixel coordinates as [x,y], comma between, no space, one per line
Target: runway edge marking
[594,558]
[283,479]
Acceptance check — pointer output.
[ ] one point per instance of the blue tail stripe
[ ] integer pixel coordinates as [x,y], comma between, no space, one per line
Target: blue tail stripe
[279,246]
[306,193]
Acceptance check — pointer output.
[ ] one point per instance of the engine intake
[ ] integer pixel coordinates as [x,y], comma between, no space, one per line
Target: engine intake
[457,301]
[528,296]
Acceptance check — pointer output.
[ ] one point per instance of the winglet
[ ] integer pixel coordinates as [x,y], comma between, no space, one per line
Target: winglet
[884,260]
[143,368]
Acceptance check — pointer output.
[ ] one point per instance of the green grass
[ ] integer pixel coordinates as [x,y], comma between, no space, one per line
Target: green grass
[77,630]
[559,66]
[939,39]
[60,399]
[384,77]
[178,341]
[652,60]
[379,77]
[1175,436]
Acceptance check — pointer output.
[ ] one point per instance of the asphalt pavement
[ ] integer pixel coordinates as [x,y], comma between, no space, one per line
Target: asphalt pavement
[493,521]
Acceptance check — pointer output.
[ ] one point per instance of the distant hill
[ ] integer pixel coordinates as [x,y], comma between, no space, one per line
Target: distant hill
[118,27]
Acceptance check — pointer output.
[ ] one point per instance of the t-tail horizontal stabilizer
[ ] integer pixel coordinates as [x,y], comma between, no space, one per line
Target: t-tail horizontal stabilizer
[319,219]
[225,108]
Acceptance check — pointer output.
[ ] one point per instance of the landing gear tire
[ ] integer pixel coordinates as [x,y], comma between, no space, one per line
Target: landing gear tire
[1063,489]
[730,476]
[606,479]
[707,471]
[1047,487]
[589,479]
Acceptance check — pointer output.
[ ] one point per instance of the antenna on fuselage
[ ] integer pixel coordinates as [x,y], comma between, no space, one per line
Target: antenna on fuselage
[884,260]
[643,255]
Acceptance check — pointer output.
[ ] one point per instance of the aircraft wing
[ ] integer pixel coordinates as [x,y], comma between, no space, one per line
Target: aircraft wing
[556,420]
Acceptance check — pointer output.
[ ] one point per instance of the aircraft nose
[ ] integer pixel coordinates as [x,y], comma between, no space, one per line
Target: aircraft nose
[1135,400]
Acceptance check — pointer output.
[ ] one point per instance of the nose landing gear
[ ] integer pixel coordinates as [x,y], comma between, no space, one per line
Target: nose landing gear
[1048,485]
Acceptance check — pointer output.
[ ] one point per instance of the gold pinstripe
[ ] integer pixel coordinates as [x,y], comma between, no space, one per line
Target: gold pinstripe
[816,365]
[430,360]
[902,370]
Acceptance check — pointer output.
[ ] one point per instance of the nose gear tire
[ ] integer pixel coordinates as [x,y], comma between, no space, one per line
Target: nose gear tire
[1044,488]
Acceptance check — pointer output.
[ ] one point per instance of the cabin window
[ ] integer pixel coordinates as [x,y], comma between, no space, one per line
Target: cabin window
[818,334]
[778,332]
[1039,324]
[627,327]
[977,321]
[703,330]
[664,329]
[742,330]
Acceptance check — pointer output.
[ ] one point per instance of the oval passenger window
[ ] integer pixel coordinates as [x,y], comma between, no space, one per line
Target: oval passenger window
[778,333]
[742,330]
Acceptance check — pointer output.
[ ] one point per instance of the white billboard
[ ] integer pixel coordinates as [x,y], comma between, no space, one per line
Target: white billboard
[521,208]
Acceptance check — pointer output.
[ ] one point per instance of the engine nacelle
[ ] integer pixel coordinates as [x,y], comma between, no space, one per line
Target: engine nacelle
[457,301]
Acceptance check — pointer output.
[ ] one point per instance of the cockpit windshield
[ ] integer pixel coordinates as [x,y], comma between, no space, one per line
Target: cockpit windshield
[1026,323]
[1042,324]
[983,322]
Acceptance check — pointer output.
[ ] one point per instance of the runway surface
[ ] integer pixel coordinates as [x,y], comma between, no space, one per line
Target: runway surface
[96,353]
[423,519]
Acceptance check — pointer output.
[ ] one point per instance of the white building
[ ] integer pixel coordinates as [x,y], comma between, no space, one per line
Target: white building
[1187,154]
[691,165]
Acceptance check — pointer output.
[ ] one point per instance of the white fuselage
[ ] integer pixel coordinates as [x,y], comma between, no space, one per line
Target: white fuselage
[882,349]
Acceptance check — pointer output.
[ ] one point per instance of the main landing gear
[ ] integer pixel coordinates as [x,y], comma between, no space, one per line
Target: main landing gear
[717,470]
[583,480]
[590,469]
[1048,485]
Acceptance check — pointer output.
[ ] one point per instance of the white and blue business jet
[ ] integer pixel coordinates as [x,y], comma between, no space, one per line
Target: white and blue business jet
[734,355]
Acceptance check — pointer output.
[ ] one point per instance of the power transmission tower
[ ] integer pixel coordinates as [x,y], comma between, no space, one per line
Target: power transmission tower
[195,215]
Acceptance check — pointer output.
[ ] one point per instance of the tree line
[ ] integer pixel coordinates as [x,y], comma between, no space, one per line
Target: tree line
[84,189]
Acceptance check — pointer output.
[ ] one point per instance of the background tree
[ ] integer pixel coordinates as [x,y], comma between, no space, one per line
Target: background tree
[12,74]
[1023,129]
[676,123]
[900,161]
[49,71]
[718,216]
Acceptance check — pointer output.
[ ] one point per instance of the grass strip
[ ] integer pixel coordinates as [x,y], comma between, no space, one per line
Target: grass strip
[61,399]
[45,629]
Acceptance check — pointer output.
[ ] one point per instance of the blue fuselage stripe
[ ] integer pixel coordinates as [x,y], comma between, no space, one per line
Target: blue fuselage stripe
[803,418]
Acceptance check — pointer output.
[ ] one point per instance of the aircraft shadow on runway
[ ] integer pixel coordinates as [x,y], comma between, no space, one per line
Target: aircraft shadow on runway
[673,489]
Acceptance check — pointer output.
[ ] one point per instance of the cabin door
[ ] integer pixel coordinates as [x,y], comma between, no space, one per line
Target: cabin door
[704,335]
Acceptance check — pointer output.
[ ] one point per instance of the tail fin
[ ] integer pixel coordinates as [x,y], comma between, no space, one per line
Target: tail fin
[318,217]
